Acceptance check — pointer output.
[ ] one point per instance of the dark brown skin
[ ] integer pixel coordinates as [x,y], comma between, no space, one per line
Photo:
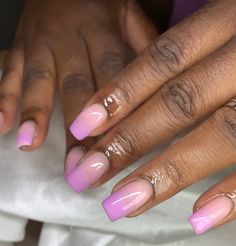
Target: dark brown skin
[74,46]
[186,75]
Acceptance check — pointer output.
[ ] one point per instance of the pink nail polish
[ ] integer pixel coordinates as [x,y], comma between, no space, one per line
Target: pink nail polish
[211,214]
[88,171]
[88,120]
[128,199]
[2,120]
[73,158]
[26,134]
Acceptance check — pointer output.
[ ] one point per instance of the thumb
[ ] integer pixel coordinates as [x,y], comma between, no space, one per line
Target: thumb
[138,29]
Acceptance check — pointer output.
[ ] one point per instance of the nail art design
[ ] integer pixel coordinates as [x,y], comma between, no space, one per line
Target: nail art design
[26,134]
[88,171]
[128,199]
[73,157]
[211,214]
[88,120]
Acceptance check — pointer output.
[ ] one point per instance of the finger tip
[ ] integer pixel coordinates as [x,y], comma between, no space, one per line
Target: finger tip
[90,119]
[106,207]
[77,133]
[194,226]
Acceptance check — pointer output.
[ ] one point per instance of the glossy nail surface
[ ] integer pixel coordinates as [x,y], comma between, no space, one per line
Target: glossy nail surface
[26,134]
[88,171]
[73,158]
[88,120]
[128,199]
[211,214]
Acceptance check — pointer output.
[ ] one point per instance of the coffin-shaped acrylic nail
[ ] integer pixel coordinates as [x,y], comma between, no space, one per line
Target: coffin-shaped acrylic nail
[128,199]
[88,120]
[26,134]
[88,171]
[72,159]
[211,214]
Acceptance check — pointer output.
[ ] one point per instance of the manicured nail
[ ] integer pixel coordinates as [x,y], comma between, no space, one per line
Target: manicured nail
[88,171]
[2,121]
[128,199]
[73,158]
[26,134]
[88,120]
[211,214]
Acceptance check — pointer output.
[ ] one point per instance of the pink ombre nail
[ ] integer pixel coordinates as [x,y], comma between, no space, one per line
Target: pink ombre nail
[211,214]
[26,134]
[88,120]
[88,171]
[128,199]
[72,159]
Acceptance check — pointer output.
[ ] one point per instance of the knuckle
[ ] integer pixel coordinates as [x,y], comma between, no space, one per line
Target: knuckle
[7,74]
[76,83]
[181,99]
[125,93]
[225,121]
[11,97]
[36,110]
[168,176]
[124,143]
[168,55]
[174,173]
[110,63]
[35,75]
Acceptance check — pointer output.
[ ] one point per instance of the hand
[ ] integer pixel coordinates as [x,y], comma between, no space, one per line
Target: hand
[73,46]
[187,74]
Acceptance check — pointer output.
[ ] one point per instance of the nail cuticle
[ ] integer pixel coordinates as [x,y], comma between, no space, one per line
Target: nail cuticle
[232,196]
[111,104]
[153,184]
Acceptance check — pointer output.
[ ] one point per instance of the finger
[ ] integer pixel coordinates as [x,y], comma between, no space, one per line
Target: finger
[137,29]
[177,106]
[10,88]
[38,96]
[171,54]
[216,206]
[76,86]
[108,56]
[206,150]
[108,53]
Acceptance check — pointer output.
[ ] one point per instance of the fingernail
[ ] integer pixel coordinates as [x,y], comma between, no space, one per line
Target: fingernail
[73,158]
[88,120]
[128,199]
[2,121]
[211,214]
[26,134]
[88,171]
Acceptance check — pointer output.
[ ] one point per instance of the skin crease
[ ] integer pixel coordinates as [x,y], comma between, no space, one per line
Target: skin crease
[74,47]
[174,84]
[45,65]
